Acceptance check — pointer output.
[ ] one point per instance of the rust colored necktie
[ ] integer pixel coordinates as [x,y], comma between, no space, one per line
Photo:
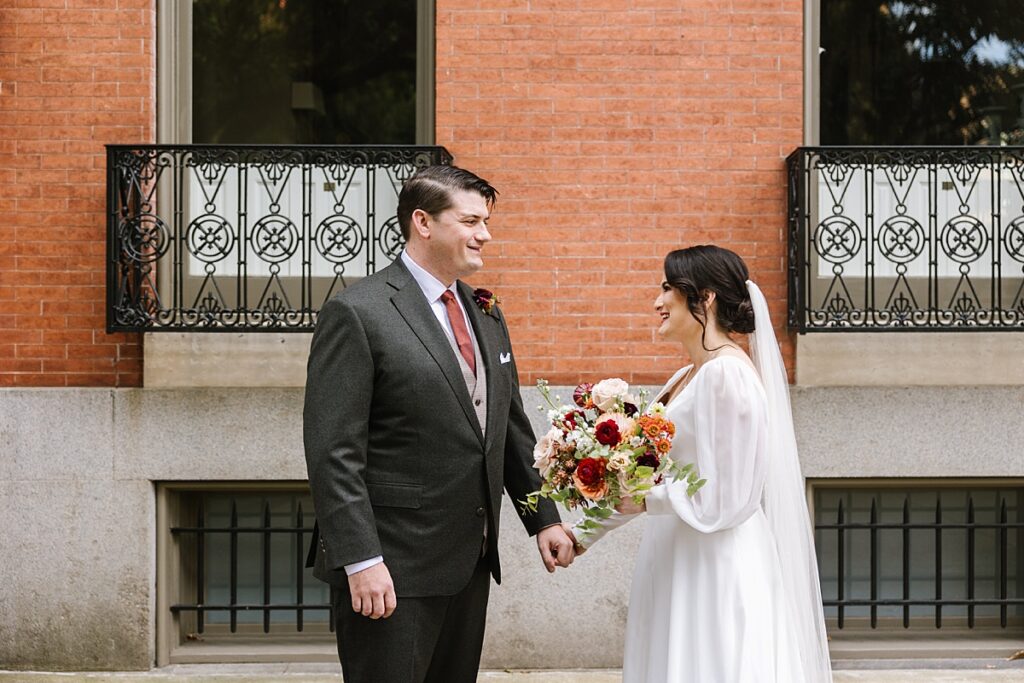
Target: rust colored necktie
[458,323]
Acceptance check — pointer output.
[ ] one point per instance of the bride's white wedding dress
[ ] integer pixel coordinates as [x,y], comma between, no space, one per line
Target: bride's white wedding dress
[707,604]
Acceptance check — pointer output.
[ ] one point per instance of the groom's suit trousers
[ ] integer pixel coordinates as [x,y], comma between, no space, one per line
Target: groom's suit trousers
[426,640]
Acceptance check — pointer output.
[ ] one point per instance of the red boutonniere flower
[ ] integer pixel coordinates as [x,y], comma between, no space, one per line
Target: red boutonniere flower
[485,299]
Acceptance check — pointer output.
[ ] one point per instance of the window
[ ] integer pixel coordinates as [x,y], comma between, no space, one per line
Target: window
[258,235]
[921,558]
[336,72]
[232,572]
[299,72]
[924,238]
[917,72]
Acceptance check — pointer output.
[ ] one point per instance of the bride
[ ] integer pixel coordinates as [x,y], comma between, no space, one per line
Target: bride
[725,588]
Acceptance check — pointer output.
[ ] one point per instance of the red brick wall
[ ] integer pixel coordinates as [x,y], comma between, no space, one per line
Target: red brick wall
[616,131]
[75,75]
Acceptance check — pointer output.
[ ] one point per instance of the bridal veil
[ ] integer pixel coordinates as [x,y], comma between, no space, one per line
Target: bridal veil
[785,501]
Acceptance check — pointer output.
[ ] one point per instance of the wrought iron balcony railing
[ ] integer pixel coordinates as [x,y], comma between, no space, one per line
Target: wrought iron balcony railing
[247,238]
[906,238]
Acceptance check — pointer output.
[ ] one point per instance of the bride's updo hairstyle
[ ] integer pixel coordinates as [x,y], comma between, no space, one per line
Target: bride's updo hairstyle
[696,270]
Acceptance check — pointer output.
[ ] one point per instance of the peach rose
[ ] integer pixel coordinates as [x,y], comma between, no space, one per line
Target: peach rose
[545,450]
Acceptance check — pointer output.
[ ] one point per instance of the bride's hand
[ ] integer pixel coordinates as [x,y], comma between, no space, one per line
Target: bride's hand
[626,506]
[577,548]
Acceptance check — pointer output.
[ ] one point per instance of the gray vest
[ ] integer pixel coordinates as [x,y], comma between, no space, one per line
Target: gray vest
[476,386]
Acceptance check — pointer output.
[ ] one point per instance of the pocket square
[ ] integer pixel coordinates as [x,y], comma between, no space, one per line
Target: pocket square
[504,357]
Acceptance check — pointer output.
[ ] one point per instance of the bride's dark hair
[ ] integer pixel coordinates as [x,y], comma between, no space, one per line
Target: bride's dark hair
[696,270]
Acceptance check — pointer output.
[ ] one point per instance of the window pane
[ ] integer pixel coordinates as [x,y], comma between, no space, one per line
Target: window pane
[304,71]
[922,506]
[284,550]
[922,73]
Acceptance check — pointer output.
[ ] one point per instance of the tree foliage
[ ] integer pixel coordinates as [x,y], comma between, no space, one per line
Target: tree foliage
[920,72]
[360,55]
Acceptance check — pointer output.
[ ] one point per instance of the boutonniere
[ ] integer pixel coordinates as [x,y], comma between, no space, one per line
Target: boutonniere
[485,299]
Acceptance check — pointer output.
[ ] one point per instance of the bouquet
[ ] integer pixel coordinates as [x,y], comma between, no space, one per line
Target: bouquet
[607,445]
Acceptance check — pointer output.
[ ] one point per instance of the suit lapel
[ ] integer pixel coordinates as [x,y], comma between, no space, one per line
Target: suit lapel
[413,307]
[484,325]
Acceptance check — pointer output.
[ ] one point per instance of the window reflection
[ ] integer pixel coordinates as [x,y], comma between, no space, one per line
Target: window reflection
[922,73]
[304,71]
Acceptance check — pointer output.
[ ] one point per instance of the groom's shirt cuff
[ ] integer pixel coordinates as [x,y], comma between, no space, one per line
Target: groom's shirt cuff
[351,569]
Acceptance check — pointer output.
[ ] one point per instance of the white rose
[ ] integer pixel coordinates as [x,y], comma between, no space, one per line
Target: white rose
[544,451]
[606,392]
[618,461]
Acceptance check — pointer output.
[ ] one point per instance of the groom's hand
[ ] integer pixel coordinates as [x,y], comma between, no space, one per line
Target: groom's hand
[556,548]
[373,592]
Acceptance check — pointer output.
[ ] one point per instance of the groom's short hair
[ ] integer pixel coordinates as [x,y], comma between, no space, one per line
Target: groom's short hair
[430,189]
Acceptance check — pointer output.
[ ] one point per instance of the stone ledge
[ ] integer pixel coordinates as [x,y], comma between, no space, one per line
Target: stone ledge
[230,359]
[885,359]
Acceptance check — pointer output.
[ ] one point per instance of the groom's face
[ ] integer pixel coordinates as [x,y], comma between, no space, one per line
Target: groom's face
[458,235]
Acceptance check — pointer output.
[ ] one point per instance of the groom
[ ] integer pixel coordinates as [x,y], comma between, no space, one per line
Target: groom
[413,424]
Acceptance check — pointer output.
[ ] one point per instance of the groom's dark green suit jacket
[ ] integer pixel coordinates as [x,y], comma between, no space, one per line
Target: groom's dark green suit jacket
[397,462]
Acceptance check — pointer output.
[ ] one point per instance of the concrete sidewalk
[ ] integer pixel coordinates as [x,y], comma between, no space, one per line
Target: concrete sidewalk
[980,671]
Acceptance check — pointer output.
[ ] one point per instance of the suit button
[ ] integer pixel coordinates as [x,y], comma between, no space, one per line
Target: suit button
[479,512]
[477,402]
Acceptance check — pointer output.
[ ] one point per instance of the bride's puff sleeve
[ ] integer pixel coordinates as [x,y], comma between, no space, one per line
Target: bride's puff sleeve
[730,438]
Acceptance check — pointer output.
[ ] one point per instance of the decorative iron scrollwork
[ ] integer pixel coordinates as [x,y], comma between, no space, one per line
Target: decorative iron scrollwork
[838,239]
[143,237]
[901,239]
[964,239]
[210,238]
[195,231]
[339,239]
[390,239]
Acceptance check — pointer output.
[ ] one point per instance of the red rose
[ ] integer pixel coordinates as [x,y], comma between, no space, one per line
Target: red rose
[589,478]
[590,470]
[607,433]
[581,395]
[570,418]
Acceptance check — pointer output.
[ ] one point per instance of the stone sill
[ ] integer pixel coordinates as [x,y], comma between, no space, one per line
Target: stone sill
[881,648]
[284,650]
[910,359]
[174,360]
[191,359]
